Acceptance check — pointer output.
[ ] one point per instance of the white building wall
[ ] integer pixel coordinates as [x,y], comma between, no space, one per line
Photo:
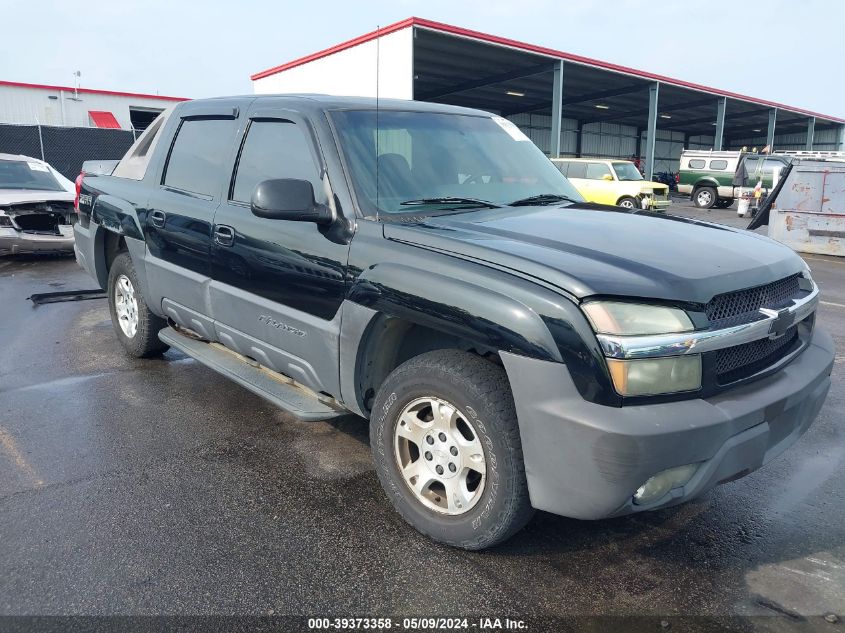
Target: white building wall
[30,106]
[352,72]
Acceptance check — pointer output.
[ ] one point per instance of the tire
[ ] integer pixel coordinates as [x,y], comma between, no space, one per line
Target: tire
[627,202]
[704,197]
[140,341]
[724,203]
[477,395]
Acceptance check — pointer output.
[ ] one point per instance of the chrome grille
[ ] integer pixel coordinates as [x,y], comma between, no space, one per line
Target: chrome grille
[742,361]
[744,305]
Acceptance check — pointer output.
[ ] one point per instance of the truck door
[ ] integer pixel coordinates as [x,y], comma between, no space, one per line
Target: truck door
[178,221]
[278,284]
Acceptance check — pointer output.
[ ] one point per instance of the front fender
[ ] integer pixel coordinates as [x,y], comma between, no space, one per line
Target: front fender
[456,307]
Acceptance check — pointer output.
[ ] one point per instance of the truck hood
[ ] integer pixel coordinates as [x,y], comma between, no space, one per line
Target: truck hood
[17,196]
[588,249]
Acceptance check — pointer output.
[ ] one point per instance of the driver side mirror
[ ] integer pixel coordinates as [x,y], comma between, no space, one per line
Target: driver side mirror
[606,177]
[288,199]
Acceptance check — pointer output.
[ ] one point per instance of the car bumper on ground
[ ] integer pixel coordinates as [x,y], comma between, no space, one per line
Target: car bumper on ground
[13,241]
[587,461]
[659,203]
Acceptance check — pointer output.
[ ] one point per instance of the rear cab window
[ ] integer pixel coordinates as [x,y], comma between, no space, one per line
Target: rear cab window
[197,156]
[718,164]
[696,163]
[562,166]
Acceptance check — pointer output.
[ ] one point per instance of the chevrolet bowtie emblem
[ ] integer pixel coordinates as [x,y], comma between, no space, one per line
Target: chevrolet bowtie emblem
[782,321]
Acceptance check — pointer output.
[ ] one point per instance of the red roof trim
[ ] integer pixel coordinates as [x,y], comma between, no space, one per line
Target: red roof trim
[494,39]
[103,119]
[398,26]
[114,93]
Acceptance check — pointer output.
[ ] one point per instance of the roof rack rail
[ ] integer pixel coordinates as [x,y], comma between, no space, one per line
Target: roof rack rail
[809,154]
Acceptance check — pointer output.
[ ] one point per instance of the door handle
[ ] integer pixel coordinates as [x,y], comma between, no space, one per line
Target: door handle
[158,218]
[224,235]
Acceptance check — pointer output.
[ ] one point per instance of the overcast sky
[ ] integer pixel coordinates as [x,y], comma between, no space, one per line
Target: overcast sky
[789,51]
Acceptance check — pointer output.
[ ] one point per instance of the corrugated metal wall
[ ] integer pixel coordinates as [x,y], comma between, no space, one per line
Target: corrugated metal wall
[823,141]
[610,140]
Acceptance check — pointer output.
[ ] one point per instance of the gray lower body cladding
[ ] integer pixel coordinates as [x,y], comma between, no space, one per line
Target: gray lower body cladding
[586,461]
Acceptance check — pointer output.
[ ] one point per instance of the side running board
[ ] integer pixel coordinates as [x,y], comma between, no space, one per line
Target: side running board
[278,389]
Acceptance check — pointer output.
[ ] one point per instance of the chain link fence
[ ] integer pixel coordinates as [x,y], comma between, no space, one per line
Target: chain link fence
[65,148]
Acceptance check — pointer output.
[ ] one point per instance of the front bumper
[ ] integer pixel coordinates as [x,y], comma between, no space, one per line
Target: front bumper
[13,241]
[585,460]
[658,203]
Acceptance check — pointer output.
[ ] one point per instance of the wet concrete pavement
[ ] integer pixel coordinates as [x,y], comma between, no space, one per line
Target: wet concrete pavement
[157,486]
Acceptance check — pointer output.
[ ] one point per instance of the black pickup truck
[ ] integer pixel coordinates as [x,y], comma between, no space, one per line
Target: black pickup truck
[428,268]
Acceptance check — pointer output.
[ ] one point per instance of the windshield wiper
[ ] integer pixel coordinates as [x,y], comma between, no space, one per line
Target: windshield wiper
[451,200]
[543,198]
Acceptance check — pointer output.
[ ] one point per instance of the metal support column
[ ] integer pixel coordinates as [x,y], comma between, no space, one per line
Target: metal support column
[578,139]
[557,108]
[811,133]
[721,106]
[840,139]
[653,91]
[770,134]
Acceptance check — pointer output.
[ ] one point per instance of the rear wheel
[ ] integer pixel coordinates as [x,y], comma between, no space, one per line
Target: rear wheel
[136,327]
[627,202]
[447,450]
[704,197]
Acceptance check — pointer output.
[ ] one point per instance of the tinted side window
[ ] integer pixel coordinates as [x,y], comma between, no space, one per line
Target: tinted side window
[696,163]
[274,149]
[577,170]
[597,171]
[718,164]
[196,160]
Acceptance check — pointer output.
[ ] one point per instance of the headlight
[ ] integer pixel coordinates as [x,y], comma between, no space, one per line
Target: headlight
[655,376]
[806,281]
[646,376]
[632,319]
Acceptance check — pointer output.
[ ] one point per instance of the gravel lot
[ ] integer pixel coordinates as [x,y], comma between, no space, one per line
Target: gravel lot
[159,487]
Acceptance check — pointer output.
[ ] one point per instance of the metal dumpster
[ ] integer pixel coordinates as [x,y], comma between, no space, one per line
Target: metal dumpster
[806,209]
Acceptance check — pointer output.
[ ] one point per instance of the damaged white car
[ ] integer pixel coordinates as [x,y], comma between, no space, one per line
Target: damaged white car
[36,207]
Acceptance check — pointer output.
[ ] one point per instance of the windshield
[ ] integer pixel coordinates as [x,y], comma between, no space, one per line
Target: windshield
[19,174]
[434,161]
[627,171]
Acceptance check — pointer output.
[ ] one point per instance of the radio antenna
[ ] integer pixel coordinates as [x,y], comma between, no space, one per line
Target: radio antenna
[378,135]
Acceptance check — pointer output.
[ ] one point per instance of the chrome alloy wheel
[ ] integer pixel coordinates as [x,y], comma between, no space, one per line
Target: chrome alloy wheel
[126,306]
[704,197]
[440,456]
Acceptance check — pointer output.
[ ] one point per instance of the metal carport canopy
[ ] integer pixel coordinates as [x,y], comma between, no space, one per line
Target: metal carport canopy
[465,67]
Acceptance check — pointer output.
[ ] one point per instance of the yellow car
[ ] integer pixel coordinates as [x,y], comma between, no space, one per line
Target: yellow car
[616,182]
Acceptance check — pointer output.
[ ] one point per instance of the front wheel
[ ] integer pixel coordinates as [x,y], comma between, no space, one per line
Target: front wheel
[627,202]
[447,450]
[136,327]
